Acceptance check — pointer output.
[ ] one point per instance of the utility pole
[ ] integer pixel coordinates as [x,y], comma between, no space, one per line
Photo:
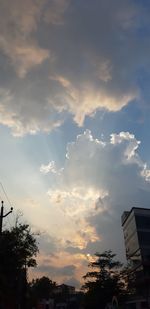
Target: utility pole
[3,216]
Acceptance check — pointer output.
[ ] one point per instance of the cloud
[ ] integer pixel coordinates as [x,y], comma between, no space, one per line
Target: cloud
[99,180]
[73,282]
[65,58]
[61,267]
[23,115]
[48,245]
[18,20]
[86,100]
[59,271]
[48,168]
[25,56]
[55,13]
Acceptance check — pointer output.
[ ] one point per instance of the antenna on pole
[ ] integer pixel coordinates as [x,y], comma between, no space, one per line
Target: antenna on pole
[2,216]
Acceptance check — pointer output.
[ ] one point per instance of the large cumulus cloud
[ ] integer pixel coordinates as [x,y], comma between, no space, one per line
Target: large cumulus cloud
[69,57]
[99,180]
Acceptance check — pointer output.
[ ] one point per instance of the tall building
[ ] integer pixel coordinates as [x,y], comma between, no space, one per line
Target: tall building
[136,228]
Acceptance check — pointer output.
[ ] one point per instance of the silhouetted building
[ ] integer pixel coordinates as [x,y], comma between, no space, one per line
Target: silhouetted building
[64,288]
[136,228]
[66,297]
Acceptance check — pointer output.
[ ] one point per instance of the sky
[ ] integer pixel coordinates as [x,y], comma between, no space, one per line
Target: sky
[74,124]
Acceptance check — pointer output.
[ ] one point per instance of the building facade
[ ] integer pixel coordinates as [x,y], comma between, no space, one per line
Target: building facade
[136,228]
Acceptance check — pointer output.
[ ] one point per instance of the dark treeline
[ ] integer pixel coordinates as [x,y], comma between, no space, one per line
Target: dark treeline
[18,249]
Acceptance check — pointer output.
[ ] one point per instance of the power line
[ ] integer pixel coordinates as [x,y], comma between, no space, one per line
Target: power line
[8,200]
[2,216]
[5,194]
[8,221]
[1,197]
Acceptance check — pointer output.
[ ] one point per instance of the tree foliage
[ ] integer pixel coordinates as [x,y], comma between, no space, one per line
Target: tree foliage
[104,282]
[18,249]
[41,288]
[129,277]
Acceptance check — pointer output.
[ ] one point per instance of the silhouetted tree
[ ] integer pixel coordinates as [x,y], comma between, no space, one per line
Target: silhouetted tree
[41,288]
[18,249]
[129,277]
[103,283]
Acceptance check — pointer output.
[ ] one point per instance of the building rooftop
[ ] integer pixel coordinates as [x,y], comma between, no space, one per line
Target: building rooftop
[126,214]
